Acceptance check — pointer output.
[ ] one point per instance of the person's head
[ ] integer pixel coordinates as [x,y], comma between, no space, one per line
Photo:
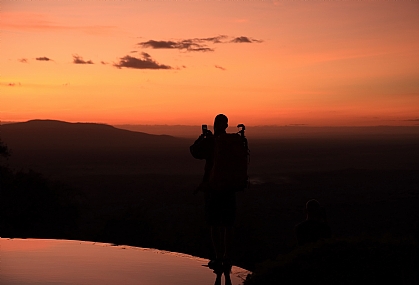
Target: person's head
[313,209]
[220,123]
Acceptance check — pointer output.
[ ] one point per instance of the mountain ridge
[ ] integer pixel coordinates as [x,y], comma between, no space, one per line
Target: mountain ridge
[40,138]
[54,133]
[51,146]
[48,123]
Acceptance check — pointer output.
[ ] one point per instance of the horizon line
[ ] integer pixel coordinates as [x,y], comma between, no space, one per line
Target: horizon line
[198,125]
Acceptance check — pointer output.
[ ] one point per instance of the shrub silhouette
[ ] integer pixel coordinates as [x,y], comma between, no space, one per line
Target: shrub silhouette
[350,261]
[32,206]
[4,150]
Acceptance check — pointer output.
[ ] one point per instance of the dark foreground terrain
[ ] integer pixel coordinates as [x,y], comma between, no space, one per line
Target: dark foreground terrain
[142,193]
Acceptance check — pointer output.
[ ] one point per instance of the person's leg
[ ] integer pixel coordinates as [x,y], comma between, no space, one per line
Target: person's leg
[229,215]
[218,278]
[227,278]
[216,264]
[217,237]
[222,241]
[226,261]
[227,241]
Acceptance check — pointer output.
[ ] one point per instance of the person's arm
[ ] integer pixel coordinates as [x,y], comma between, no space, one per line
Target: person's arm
[201,147]
[197,149]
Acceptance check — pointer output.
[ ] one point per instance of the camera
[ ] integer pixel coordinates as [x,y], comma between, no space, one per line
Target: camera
[204,129]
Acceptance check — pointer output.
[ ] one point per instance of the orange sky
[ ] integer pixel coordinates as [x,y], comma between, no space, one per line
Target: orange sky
[260,62]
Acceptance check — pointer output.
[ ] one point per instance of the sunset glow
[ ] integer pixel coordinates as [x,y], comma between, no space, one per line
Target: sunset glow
[319,63]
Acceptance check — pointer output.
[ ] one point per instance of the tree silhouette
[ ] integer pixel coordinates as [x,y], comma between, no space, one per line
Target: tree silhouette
[4,150]
[33,206]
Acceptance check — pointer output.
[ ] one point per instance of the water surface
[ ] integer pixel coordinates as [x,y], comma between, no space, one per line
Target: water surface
[42,261]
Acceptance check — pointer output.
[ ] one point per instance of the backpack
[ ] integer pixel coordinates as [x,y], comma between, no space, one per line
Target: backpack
[230,161]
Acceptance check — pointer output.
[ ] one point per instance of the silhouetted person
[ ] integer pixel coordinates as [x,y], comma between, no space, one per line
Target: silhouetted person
[315,227]
[219,190]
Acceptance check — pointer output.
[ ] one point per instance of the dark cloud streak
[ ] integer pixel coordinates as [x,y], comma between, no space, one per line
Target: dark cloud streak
[79,60]
[11,84]
[140,63]
[159,44]
[43,58]
[189,45]
[215,40]
[195,44]
[245,40]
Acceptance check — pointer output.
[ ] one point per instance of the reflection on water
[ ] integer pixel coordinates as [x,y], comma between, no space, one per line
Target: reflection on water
[37,261]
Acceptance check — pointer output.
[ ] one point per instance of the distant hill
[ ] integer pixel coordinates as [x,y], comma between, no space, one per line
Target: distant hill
[182,131]
[289,131]
[55,146]
[58,144]
[51,134]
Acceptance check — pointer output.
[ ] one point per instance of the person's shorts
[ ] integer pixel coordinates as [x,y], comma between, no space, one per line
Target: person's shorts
[220,208]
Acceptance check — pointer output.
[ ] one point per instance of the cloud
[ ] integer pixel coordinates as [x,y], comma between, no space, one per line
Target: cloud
[140,63]
[220,67]
[159,44]
[195,44]
[23,60]
[11,84]
[215,40]
[189,45]
[79,60]
[245,40]
[43,58]
[412,120]
[146,55]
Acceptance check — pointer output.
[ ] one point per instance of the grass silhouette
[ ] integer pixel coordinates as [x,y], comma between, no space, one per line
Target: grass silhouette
[356,260]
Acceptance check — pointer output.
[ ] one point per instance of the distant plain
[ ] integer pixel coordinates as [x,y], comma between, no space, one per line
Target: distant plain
[137,188]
